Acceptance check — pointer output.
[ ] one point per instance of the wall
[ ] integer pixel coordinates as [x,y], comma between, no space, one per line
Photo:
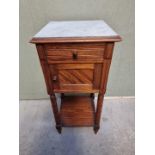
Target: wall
[118,14]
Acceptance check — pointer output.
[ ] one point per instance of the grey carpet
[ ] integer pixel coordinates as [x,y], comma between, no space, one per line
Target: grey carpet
[38,135]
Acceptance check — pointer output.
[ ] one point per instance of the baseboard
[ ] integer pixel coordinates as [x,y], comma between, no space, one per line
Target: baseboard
[106,98]
[119,97]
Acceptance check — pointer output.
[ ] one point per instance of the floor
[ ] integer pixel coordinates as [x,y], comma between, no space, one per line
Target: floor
[38,135]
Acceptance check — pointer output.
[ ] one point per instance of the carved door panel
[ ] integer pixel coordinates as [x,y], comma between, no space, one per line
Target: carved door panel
[75,77]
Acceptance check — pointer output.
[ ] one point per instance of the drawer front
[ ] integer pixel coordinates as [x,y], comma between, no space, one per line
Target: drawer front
[75,77]
[75,53]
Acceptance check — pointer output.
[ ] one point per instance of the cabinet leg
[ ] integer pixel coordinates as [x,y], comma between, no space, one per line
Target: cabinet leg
[56,112]
[59,128]
[96,128]
[98,112]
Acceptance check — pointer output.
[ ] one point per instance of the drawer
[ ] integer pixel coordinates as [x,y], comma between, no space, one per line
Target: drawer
[75,53]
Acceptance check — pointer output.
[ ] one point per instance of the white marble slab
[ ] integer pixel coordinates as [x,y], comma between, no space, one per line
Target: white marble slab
[92,28]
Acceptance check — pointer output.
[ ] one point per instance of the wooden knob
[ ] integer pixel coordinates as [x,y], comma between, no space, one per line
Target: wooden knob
[54,78]
[74,55]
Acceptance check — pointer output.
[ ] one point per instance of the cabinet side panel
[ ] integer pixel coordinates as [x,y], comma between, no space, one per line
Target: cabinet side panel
[106,66]
[44,65]
[97,76]
[105,73]
[109,50]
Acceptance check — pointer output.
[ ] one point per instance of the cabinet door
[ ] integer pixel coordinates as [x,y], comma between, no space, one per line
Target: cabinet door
[76,77]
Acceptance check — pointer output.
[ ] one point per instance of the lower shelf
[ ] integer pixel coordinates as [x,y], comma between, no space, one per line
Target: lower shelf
[77,111]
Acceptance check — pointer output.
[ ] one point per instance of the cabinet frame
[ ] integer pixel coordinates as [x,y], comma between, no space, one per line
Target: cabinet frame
[98,87]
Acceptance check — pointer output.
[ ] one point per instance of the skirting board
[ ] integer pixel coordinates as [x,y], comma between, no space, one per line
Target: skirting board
[119,97]
[106,98]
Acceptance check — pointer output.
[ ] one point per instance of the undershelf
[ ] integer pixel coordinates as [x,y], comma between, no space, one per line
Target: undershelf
[77,111]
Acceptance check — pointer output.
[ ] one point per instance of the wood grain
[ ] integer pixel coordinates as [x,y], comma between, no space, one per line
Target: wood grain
[75,46]
[97,75]
[45,69]
[75,66]
[109,51]
[77,111]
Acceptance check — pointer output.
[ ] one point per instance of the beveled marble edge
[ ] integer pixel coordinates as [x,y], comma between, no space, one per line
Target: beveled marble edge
[75,39]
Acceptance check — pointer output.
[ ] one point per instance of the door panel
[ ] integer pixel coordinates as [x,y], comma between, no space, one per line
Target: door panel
[75,77]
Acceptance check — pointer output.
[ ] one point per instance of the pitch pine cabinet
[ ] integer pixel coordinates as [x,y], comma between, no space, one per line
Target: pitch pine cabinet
[75,57]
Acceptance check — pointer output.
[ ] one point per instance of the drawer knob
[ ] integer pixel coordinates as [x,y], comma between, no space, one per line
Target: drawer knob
[74,56]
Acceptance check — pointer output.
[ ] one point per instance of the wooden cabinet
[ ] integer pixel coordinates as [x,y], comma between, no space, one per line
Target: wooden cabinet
[75,57]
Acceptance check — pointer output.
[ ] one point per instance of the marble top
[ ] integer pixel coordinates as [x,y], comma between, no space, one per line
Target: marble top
[92,28]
